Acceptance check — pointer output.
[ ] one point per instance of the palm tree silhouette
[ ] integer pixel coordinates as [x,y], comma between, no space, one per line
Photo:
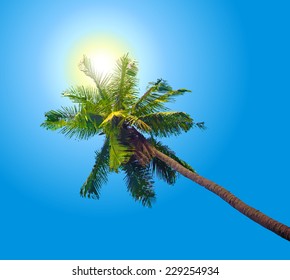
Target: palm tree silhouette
[114,109]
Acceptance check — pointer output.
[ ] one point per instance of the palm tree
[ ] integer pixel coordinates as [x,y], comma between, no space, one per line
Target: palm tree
[113,108]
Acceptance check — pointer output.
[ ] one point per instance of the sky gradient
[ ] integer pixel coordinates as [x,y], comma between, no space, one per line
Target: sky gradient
[233,55]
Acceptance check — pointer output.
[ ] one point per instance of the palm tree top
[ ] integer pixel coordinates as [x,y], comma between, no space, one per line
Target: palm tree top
[115,108]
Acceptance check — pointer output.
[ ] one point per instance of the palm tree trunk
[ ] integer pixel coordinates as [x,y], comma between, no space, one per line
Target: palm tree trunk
[252,213]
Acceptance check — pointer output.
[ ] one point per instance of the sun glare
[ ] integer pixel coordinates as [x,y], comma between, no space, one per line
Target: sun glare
[103,51]
[103,62]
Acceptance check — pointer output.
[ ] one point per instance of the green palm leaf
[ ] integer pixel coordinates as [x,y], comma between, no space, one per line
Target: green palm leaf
[139,182]
[119,153]
[99,174]
[82,95]
[56,119]
[163,171]
[90,99]
[149,105]
[164,124]
[155,98]
[72,122]
[123,84]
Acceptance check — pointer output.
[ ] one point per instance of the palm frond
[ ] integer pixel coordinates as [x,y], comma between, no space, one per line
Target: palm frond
[149,105]
[56,119]
[144,96]
[99,174]
[100,80]
[167,151]
[139,182]
[164,124]
[119,153]
[73,122]
[200,125]
[90,99]
[163,171]
[123,83]
[81,127]
[169,96]
[82,95]
[155,98]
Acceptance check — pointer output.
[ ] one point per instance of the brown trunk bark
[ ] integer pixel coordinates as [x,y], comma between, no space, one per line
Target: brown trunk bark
[252,213]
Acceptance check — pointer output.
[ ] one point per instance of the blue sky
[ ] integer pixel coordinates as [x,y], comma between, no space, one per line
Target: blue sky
[233,55]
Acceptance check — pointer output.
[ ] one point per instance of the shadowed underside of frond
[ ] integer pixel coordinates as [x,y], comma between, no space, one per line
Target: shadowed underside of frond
[139,182]
[99,174]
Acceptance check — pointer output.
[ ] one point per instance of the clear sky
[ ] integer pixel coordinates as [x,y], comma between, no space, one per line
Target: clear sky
[233,55]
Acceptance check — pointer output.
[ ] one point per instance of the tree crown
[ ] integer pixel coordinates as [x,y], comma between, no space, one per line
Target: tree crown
[114,108]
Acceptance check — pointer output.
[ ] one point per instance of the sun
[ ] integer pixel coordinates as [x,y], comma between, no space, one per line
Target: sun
[103,51]
[103,62]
